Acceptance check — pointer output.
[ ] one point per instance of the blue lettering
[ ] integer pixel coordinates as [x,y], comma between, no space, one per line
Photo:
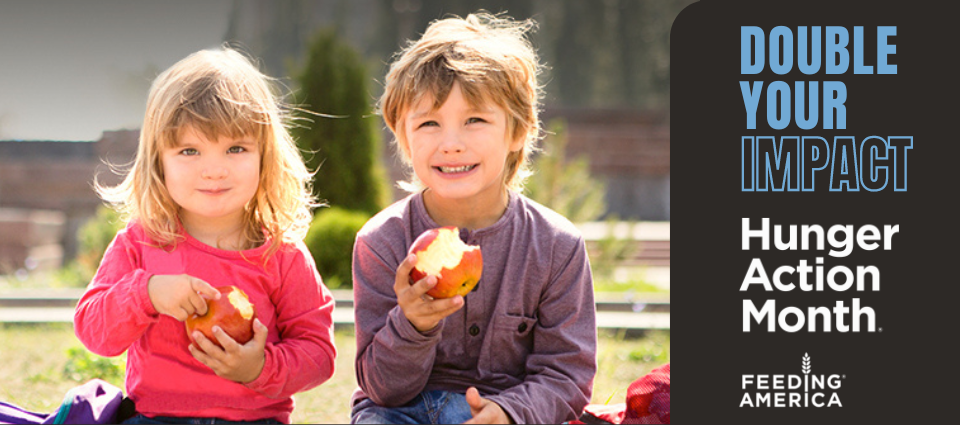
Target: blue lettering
[746,50]
[858,67]
[899,146]
[844,165]
[884,49]
[751,99]
[779,165]
[874,159]
[781,62]
[811,66]
[792,163]
[838,60]
[816,152]
[783,90]
[808,120]
[834,96]
[747,165]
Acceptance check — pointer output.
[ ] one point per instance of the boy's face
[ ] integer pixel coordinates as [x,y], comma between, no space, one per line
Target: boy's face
[459,151]
[211,180]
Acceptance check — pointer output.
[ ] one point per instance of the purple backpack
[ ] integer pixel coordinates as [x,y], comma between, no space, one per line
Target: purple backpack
[95,402]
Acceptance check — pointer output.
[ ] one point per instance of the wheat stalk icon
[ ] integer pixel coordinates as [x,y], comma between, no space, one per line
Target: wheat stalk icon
[806,364]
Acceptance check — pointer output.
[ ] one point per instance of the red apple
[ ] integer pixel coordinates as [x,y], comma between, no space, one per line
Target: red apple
[441,253]
[233,312]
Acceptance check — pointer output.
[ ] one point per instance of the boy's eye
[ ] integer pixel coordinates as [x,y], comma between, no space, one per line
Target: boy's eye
[428,124]
[236,149]
[475,120]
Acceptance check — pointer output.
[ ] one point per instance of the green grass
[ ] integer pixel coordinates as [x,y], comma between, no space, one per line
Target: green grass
[40,363]
[632,286]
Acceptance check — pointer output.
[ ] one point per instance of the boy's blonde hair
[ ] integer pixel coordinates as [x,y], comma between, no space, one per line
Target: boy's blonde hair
[219,93]
[492,59]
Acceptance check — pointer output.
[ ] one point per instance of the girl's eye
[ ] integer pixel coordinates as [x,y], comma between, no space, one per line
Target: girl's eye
[428,124]
[475,120]
[236,149]
[189,152]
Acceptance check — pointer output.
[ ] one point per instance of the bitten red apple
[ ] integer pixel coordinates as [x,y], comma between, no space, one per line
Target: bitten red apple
[441,253]
[233,312]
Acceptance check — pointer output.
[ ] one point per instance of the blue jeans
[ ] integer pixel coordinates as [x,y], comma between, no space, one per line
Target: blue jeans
[429,407]
[140,419]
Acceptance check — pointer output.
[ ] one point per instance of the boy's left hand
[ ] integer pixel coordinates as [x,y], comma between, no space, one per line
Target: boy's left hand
[485,411]
[240,363]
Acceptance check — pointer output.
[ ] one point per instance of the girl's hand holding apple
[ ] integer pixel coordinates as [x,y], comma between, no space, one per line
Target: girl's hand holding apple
[179,296]
[236,362]
[228,337]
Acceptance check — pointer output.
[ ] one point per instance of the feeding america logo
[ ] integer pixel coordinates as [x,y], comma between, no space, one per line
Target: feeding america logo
[793,390]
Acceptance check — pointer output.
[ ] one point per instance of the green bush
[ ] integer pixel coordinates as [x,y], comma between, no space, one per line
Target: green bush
[96,234]
[330,240]
[82,366]
[93,238]
[611,251]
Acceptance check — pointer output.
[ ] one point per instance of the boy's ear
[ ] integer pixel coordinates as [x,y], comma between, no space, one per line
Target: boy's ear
[401,140]
[404,146]
[517,141]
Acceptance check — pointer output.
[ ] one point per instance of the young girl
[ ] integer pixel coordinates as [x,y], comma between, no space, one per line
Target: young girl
[462,103]
[217,196]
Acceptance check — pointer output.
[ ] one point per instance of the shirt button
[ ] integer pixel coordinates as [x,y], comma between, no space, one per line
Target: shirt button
[474,330]
[522,327]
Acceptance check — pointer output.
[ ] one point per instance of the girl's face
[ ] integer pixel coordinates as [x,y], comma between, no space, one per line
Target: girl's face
[459,151]
[211,180]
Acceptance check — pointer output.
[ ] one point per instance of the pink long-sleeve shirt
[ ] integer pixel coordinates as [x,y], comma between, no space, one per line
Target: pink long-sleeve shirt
[115,315]
[526,337]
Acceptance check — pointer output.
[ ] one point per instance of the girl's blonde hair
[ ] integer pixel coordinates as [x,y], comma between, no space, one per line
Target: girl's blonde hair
[219,93]
[492,60]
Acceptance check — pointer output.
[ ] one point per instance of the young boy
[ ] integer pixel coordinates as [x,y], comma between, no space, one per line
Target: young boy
[462,103]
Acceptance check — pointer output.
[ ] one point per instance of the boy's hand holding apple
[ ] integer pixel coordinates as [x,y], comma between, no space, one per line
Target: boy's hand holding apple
[444,270]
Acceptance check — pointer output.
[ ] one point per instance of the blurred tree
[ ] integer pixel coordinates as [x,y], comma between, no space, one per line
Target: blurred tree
[279,34]
[610,53]
[343,149]
[607,53]
[602,53]
[565,185]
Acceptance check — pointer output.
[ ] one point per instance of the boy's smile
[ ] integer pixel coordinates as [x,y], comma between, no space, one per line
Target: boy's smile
[456,169]
[459,152]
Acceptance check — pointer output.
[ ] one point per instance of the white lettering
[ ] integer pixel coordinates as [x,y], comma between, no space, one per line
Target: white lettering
[749,310]
[834,399]
[746,380]
[842,238]
[839,278]
[792,319]
[763,234]
[756,274]
[746,400]
[815,398]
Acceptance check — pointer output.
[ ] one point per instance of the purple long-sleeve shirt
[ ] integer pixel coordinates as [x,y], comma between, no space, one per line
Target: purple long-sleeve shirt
[526,337]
